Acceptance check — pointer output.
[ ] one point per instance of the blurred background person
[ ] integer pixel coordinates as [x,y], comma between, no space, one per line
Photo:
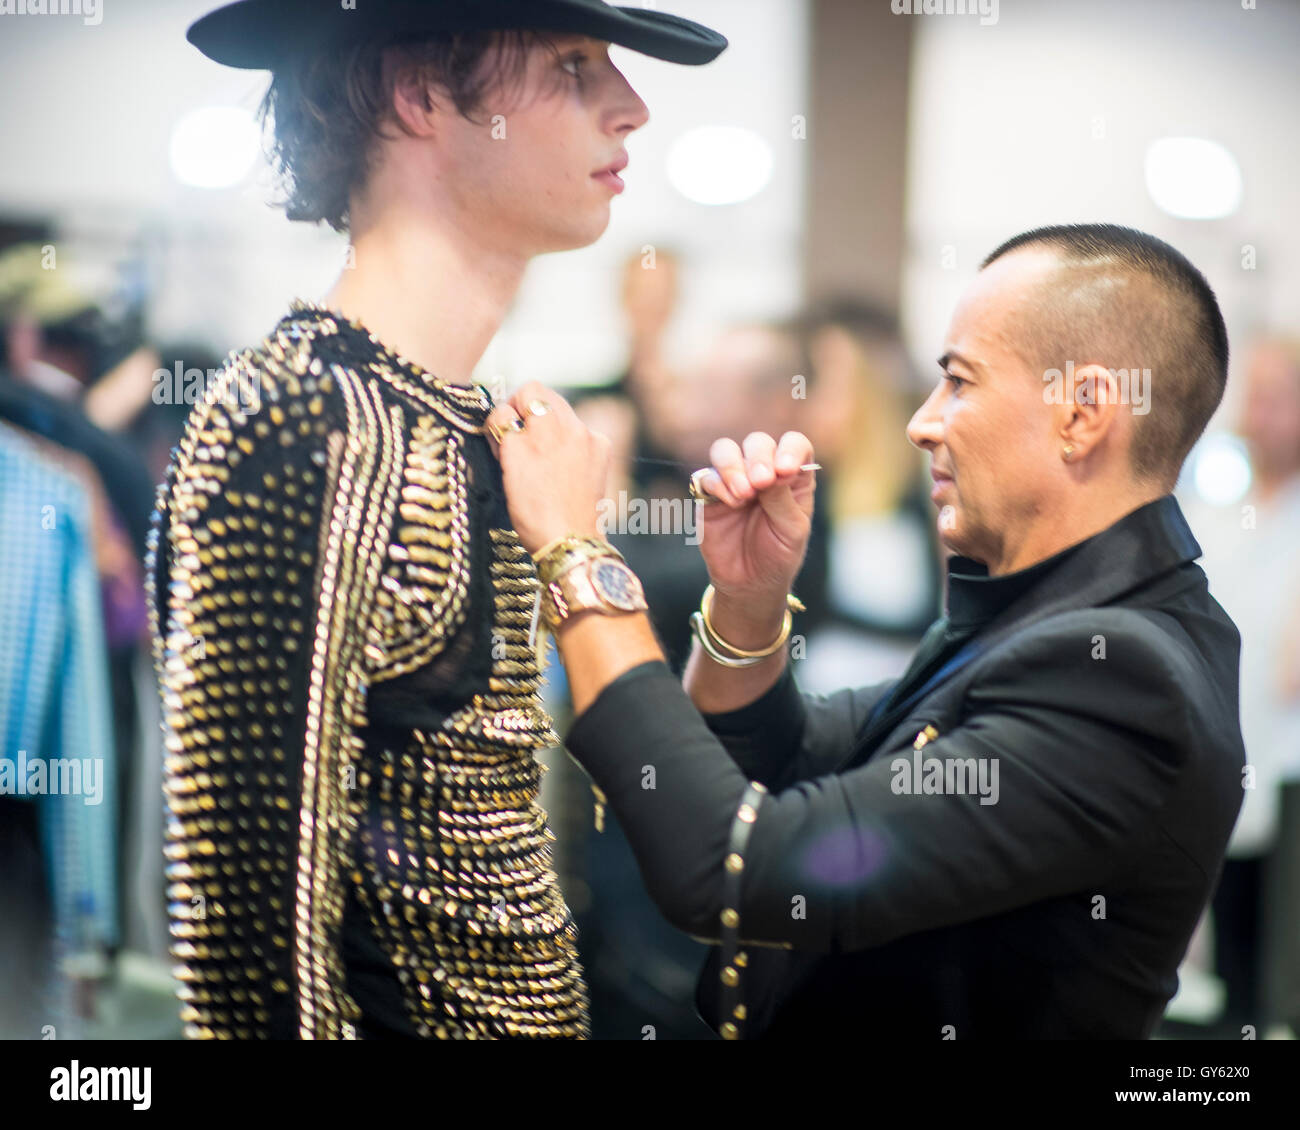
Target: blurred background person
[1252,558]
[59,882]
[59,344]
[882,558]
[646,387]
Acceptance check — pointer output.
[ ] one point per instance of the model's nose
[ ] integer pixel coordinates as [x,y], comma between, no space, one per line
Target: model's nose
[632,112]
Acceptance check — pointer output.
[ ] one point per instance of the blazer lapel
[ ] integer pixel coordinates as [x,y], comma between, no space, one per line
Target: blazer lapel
[1146,543]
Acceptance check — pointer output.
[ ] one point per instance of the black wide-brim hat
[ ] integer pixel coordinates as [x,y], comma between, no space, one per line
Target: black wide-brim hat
[265,34]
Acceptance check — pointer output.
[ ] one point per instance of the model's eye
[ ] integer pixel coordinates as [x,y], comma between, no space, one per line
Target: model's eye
[573,64]
[957,381]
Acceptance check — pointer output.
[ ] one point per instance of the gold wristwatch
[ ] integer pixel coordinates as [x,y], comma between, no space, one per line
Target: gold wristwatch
[603,584]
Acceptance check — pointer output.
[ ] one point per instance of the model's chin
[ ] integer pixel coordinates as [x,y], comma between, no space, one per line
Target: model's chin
[594,219]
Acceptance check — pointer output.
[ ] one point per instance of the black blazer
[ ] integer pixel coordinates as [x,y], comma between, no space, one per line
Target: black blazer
[1106,694]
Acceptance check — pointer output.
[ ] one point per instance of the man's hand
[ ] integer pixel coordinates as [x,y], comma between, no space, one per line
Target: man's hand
[754,539]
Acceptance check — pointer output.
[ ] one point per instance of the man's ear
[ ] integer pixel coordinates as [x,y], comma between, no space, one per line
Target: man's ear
[1092,406]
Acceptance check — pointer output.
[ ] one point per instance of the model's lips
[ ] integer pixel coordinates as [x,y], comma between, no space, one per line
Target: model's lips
[616,166]
[940,481]
[609,177]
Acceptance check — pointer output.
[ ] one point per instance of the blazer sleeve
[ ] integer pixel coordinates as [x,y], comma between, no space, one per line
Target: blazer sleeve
[840,862]
[786,735]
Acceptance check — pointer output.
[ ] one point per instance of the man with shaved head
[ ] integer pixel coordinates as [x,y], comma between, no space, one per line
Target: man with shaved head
[1081,366]
[1016,838]
[1122,298]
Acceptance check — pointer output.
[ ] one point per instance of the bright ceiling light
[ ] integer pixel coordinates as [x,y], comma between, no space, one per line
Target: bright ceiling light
[1222,473]
[720,164]
[214,147]
[1192,178]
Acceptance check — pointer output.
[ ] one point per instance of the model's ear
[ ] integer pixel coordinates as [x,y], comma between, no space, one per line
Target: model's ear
[413,103]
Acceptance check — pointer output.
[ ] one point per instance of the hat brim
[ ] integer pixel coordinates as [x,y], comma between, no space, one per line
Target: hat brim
[265,34]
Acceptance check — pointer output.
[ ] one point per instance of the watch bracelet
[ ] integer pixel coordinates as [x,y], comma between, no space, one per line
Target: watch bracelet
[552,598]
[569,553]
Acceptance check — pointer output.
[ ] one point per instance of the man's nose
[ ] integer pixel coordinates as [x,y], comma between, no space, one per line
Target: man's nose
[924,429]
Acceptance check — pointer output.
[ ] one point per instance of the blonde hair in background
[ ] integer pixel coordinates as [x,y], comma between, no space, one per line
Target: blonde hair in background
[863,418]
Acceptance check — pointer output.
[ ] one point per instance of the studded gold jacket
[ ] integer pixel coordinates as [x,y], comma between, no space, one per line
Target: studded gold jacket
[341,617]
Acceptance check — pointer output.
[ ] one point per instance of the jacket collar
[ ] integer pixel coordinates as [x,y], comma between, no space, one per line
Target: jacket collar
[1144,544]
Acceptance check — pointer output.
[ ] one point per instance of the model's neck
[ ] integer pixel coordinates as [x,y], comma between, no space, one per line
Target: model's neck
[433,295]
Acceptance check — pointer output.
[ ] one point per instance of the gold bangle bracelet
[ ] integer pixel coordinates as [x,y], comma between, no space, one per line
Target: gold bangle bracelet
[792,604]
[706,642]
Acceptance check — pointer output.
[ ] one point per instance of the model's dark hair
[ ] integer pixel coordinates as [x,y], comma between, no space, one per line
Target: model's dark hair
[330,109]
[1125,299]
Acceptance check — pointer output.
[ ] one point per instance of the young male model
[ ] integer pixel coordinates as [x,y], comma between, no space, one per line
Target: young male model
[343,613]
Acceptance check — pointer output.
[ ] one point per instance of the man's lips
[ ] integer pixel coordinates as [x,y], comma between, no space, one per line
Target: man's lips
[940,481]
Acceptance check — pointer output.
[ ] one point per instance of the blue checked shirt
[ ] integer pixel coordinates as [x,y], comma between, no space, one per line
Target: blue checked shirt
[55,710]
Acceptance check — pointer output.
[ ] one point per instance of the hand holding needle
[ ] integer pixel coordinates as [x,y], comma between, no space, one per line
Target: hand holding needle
[698,492]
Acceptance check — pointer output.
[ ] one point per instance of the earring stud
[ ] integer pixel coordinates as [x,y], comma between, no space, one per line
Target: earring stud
[1067,451]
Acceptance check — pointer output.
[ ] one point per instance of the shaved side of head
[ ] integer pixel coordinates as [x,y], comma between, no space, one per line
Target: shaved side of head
[1125,300]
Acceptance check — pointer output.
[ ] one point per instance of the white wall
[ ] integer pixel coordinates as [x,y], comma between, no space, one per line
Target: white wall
[88,113]
[1002,129]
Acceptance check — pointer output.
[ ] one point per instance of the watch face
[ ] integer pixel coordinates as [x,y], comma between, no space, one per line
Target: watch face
[617,584]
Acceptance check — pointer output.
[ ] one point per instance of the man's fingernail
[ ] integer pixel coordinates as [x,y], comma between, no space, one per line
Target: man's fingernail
[760,468]
[788,463]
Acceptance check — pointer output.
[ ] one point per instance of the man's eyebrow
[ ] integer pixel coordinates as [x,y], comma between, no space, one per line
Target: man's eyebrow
[953,355]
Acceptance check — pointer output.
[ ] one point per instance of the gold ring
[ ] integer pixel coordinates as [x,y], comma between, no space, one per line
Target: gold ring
[498,432]
[697,491]
[538,407]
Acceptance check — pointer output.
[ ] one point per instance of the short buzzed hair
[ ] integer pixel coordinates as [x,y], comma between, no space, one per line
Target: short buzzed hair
[1125,300]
